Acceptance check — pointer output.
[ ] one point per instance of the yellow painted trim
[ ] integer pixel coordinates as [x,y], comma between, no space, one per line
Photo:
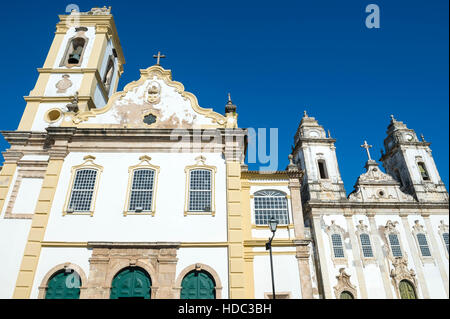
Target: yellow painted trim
[269,183]
[266,253]
[200,165]
[47,114]
[6,176]
[60,244]
[88,164]
[144,164]
[36,235]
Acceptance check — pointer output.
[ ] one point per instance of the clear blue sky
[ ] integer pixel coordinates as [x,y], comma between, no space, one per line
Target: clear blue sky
[277,58]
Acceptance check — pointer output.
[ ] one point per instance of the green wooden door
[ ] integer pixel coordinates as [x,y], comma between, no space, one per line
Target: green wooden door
[131,283]
[198,285]
[63,286]
[407,290]
[346,295]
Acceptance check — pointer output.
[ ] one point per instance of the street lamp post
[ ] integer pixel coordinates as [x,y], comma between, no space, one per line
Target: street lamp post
[273,228]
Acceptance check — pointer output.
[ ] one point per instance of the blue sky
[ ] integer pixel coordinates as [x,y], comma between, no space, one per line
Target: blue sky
[277,58]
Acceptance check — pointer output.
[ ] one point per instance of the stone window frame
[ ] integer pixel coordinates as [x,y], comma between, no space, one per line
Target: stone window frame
[278,295]
[66,266]
[65,58]
[198,267]
[419,229]
[361,228]
[144,164]
[36,172]
[335,229]
[419,159]
[200,165]
[443,228]
[321,158]
[390,228]
[88,164]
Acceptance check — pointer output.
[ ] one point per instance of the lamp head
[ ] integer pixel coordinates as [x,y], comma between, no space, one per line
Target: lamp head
[273,223]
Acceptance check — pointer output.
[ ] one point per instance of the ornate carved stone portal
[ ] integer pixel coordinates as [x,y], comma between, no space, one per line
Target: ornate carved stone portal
[344,284]
[159,260]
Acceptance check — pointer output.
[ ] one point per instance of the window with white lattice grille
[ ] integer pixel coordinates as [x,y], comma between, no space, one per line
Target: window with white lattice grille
[200,190]
[271,204]
[141,195]
[423,245]
[338,247]
[395,245]
[366,245]
[82,190]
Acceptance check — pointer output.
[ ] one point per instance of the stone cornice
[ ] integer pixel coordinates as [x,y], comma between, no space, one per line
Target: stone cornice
[376,205]
[152,245]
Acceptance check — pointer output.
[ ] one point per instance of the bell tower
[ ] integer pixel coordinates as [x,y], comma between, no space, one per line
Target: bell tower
[315,153]
[81,71]
[411,163]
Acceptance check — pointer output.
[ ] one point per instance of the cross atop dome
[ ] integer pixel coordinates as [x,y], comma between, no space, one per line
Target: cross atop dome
[158,57]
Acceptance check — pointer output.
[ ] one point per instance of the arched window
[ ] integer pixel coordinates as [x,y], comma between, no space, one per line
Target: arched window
[74,52]
[141,194]
[200,187]
[423,245]
[407,290]
[445,238]
[64,284]
[423,171]
[198,285]
[268,204]
[83,188]
[395,245]
[346,295]
[107,79]
[323,173]
[132,282]
[82,191]
[366,245]
[338,247]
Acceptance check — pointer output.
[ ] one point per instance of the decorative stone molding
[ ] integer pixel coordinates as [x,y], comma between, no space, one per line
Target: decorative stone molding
[344,284]
[198,267]
[361,229]
[66,267]
[158,260]
[419,229]
[37,172]
[401,272]
[335,229]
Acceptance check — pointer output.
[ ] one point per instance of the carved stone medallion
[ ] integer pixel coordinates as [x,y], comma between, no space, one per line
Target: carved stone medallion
[63,84]
[154,93]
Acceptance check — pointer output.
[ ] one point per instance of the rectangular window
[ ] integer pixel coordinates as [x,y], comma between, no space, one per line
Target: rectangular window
[338,248]
[423,171]
[200,189]
[82,190]
[423,245]
[366,246]
[322,169]
[445,237]
[142,190]
[270,204]
[395,245]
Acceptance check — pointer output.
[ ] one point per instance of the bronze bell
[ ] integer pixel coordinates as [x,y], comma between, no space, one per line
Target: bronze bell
[74,58]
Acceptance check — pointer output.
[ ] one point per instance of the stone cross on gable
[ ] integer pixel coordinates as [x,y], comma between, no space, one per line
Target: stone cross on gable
[158,57]
[367,146]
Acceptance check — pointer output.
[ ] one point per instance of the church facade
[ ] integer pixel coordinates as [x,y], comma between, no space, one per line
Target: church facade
[143,193]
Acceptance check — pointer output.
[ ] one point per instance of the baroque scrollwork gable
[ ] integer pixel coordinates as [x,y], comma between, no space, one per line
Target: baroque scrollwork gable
[154,101]
[344,284]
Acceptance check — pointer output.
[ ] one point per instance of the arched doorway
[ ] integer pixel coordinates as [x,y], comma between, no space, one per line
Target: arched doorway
[131,283]
[198,285]
[346,295]
[63,285]
[407,290]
